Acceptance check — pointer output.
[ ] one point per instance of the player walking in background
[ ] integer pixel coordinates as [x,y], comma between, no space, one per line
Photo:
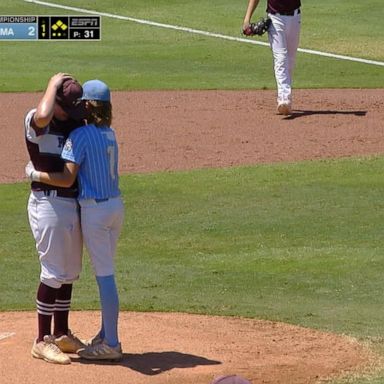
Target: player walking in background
[54,217]
[284,35]
[91,154]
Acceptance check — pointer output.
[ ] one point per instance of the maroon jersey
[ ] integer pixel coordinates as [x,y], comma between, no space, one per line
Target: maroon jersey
[45,146]
[282,6]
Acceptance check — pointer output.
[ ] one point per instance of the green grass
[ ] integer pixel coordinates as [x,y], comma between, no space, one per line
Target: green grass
[299,243]
[135,56]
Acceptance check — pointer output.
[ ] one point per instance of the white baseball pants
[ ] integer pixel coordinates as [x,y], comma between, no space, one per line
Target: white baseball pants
[101,224]
[284,35]
[55,225]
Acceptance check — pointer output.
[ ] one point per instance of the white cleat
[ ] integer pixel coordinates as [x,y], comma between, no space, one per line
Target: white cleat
[69,343]
[48,350]
[284,108]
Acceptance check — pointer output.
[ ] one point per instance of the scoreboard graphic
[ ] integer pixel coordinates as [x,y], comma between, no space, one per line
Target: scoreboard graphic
[59,28]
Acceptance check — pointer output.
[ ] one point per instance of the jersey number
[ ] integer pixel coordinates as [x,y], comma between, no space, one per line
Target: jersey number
[112,160]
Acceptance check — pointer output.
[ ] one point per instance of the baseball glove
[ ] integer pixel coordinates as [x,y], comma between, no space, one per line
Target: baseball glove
[258,28]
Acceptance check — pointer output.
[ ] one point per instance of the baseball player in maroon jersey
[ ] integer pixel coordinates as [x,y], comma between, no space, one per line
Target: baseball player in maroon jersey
[54,217]
[283,34]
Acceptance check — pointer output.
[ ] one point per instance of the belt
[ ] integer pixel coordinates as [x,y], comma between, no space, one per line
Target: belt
[59,193]
[288,13]
[101,200]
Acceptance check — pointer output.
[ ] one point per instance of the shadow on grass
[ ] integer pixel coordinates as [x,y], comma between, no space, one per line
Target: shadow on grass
[153,363]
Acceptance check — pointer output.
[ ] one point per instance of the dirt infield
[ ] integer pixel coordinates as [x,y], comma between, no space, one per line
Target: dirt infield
[187,349]
[183,130]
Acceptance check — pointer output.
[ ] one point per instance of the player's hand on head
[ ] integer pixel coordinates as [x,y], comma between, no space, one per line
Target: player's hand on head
[58,79]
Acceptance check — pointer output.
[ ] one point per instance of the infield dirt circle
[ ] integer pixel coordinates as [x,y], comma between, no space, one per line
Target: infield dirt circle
[167,130]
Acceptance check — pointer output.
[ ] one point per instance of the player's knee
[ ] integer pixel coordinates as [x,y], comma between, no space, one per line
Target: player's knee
[51,282]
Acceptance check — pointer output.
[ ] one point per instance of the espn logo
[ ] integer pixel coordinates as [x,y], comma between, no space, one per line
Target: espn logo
[85,22]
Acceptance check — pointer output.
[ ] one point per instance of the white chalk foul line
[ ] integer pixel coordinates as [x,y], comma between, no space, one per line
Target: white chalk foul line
[5,335]
[200,32]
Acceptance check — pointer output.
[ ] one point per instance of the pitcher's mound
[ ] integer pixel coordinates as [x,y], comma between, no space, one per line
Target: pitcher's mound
[178,348]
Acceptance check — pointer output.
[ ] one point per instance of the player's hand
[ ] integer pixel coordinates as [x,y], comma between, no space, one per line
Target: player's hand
[247,30]
[31,172]
[58,79]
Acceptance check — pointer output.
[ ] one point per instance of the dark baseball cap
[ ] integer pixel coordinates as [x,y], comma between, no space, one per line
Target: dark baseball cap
[68,96]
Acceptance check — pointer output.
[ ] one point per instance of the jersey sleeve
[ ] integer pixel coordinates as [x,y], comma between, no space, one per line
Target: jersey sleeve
[74,148]
[30,133]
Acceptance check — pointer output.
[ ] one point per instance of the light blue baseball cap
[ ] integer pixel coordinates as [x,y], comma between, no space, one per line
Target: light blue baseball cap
[96,90]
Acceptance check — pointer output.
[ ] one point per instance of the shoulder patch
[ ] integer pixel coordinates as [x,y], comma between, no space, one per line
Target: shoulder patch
[68,145]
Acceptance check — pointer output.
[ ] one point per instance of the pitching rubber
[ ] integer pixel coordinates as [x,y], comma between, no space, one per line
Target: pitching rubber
[230,379]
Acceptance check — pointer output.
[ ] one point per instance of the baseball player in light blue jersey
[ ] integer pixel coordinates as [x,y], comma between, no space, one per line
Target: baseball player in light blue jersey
[91,155]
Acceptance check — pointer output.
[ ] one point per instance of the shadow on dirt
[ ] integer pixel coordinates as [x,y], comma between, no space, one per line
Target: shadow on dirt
[154,363]
[301,113]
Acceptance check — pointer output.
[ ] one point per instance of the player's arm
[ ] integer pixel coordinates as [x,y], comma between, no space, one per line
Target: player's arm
[252,4]
[46,107]
[59,179]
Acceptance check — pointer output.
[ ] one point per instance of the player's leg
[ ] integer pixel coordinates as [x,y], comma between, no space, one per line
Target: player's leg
[101,224]
[62,306]
[38,214]
[293,38]
[44,346]
[45,305]
[44,218]
[278,43]
[71,239]
[109,300]
[107,285]
[95,223]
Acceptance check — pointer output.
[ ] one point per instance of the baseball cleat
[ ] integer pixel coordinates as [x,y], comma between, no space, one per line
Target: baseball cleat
[69,343]
[101,351]
[97,339]
[47,350]
[284,108]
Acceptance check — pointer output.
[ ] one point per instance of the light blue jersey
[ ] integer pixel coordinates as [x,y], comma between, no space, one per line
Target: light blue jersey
[95,150]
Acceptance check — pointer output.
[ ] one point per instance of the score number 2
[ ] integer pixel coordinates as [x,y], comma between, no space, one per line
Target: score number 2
[32,31]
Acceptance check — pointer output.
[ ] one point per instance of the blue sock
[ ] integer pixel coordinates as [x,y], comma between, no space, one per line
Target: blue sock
[109,300]
[102,331]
